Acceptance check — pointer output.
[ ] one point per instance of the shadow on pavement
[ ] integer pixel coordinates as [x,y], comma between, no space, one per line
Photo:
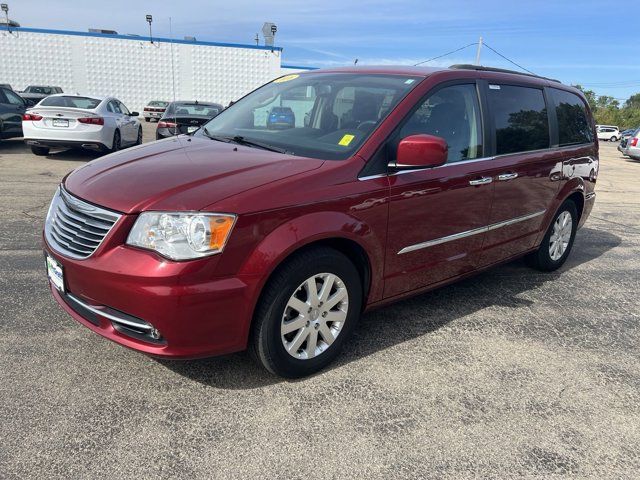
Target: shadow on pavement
[408,319]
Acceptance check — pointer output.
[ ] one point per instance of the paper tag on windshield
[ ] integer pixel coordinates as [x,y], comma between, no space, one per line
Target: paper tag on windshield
[346,140]
[286,78]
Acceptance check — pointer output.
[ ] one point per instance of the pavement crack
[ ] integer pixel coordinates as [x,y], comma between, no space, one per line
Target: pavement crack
[28,212]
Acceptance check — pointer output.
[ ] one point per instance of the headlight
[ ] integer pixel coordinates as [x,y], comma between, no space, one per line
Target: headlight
[182,236]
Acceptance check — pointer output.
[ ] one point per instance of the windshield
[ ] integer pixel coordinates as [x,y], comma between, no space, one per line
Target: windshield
[71,102]
[193,109]
[318,115]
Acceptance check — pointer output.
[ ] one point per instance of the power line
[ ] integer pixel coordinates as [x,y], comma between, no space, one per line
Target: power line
[446,54]
[508,60]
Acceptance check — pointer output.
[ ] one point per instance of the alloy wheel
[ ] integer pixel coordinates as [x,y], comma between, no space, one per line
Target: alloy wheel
[314,316]
[560,236]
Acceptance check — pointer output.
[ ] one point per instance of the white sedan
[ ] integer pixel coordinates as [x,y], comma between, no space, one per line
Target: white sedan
[76,121]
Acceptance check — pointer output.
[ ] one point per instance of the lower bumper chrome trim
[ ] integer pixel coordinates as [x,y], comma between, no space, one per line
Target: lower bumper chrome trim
[113,315]
[469,233]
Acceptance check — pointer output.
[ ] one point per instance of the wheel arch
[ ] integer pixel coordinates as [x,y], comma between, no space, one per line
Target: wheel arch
[339,231]
[573,190]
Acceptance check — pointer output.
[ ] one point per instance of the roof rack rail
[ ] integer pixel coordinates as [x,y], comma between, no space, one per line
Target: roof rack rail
[468,66]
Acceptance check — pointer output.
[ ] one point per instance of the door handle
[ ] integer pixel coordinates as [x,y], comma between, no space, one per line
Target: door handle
[507,176]
[481,181]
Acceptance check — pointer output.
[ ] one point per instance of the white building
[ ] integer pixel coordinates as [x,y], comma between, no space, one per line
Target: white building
[132,68]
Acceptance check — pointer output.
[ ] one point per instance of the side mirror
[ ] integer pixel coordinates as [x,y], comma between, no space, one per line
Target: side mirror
[134,114]
[421,151]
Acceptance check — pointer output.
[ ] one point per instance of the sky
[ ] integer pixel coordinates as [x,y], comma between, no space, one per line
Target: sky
[583,42]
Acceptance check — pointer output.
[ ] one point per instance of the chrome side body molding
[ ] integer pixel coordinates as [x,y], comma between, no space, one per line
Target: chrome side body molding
[469,233]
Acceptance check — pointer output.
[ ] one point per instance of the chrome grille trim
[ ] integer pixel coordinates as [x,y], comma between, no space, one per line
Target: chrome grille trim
[76,228]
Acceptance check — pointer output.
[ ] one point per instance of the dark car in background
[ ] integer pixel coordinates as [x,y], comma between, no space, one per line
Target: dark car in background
[34,93]
[281,118]
[154,109]
[186,117]
[5,85]
[12,107]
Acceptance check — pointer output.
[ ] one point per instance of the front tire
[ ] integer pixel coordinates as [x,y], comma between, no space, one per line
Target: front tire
[558,241]
[147,119]
[40,151]
[139,139]
[307,310]
[613,139]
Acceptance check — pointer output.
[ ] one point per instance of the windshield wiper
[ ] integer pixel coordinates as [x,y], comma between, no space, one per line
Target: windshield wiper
[240,140]
[253,143]
[217,138]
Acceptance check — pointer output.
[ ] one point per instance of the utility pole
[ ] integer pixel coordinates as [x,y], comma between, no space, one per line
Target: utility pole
[478,52]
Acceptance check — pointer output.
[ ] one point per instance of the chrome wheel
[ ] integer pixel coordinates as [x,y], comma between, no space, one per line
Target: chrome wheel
[560,236]
[314,316]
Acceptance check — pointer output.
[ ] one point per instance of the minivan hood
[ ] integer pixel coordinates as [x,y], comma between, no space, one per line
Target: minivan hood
[180,173]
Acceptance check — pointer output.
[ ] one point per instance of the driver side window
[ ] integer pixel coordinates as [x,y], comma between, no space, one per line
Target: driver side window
[452,113]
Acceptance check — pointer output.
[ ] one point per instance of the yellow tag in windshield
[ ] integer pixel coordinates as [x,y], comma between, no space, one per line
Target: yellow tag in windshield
[286,78]
[346,140]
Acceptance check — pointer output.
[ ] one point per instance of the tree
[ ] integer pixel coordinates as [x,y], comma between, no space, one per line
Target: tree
[633,102]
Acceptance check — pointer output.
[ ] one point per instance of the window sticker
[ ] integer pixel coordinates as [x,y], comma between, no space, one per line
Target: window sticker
[494,87]
[409,81]
[346,140]
[286,78]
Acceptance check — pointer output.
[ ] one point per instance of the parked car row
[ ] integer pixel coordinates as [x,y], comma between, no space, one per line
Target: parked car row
[102,124]
[630,144]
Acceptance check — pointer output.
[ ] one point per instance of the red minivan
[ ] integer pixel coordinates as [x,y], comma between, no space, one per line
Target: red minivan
[389,182]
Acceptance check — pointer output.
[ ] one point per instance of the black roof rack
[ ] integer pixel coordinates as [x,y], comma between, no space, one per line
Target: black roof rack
[467,66]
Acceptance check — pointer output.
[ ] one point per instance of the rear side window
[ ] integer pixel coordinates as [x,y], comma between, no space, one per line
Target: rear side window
[13,98]
[573,124]
[520,118]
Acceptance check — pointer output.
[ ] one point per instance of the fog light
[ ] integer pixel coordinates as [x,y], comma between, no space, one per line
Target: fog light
[155,334]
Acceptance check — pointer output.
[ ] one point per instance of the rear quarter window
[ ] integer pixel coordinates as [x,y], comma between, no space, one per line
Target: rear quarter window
[520,118]
[573,122]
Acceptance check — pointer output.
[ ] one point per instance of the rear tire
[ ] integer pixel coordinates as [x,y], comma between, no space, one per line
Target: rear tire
[117,141]
[147,119]
[558,241]
[295,332]
[40,151]
[613,139]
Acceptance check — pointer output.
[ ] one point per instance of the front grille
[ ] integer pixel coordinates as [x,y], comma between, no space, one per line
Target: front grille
[76,228]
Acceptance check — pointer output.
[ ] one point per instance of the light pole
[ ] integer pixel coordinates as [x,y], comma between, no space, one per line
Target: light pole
[5,9]
[149,20]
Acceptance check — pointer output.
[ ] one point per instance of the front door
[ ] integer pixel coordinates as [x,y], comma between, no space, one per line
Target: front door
[438,216]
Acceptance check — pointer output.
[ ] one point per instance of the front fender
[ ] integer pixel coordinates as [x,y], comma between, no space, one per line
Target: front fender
[313,227]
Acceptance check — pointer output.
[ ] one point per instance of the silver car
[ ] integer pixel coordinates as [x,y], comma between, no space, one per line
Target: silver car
[76,121]
[632,147]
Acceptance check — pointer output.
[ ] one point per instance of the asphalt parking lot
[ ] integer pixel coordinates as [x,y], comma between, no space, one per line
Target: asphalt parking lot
[513,373]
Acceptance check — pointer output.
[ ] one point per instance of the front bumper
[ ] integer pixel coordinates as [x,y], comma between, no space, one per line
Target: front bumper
[196,314]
